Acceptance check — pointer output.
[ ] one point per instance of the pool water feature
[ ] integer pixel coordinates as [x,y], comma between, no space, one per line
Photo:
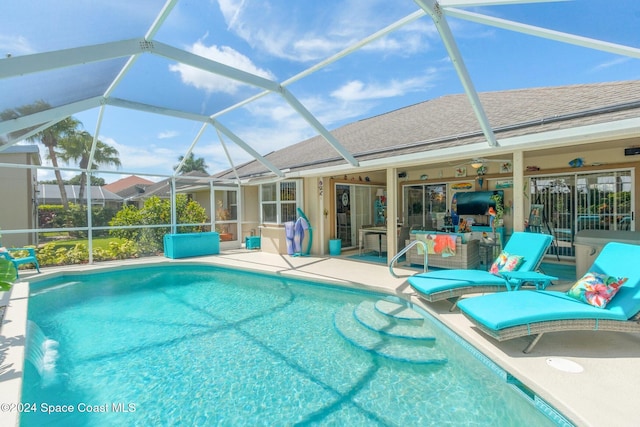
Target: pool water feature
[201,345]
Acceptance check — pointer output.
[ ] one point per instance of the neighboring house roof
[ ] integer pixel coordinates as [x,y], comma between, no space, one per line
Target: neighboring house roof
[31,149]
[130,187]
[50,193]
[161,188]
[450,121]
[126,183]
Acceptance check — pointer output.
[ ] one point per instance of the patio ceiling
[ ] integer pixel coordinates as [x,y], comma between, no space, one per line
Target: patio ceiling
[114,65]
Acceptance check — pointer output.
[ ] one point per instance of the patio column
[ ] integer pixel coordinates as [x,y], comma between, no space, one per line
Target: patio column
[517,210]
[392,212]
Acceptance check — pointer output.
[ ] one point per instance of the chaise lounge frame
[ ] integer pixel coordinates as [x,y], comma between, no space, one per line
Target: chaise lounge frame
[537,329]
[616,259]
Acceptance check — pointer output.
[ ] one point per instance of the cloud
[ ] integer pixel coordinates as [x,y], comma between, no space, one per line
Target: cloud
[210,82]
[168,134]
[14,45]
[144,158]
[286,31]
[356,90]
[609,64]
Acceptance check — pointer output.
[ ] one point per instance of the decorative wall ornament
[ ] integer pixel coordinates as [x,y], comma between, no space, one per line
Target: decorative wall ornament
[506,167]
[505,183]
[460,171]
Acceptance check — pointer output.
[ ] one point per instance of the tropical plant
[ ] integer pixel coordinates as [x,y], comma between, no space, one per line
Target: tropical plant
[191,164]
[157,211]
[499,209]
[8,274]
[78,147]
[50,138]
[95,180]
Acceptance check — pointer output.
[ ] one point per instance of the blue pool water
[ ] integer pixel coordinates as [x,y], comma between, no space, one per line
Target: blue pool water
[185,345]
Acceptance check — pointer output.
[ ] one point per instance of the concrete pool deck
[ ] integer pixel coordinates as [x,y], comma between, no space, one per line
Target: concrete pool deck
[602,394]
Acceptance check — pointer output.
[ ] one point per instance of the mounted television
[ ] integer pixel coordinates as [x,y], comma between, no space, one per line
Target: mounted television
[474,202]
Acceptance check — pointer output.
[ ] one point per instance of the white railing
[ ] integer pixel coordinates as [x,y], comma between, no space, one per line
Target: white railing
[404,251]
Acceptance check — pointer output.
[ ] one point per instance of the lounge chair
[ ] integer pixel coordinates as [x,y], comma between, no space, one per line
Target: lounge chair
[29,259]
[517,314]
[452,284]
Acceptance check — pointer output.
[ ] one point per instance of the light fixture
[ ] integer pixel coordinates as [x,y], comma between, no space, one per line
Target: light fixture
[477,165]
[380,192]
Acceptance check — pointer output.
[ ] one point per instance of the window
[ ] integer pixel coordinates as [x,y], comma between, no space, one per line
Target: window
[279,201]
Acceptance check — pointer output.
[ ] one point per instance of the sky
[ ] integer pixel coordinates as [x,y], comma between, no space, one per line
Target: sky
[278,39]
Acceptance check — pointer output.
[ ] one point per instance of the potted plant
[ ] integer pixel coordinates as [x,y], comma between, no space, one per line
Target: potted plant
[498,213]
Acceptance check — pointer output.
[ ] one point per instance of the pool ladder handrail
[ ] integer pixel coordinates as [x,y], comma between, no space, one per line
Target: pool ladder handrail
[404,251]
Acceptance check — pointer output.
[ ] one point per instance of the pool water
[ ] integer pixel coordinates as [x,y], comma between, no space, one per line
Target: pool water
[190,345]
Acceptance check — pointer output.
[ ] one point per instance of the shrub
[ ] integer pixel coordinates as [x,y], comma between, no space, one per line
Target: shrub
[156,211]
[51,254]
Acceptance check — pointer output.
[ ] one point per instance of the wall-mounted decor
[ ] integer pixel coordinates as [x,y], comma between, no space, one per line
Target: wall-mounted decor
[506,167]
[505,183]
[467,185]
[460,171]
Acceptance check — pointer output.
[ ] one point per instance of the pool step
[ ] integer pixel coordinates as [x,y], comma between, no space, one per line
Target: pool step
[398,311]
[414,347]
[370,317]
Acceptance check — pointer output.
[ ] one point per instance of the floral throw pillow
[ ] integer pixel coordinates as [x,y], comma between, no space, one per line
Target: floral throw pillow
[506,262]
[596,289]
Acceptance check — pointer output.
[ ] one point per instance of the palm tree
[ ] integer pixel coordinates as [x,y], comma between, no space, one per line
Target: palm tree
[50,138]
[192,164]
[78,148]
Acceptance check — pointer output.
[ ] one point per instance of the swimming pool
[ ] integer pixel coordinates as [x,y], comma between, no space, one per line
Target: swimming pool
[201,345]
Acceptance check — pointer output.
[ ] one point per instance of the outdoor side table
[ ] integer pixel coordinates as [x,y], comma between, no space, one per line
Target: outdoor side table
[489,251]
[540,280]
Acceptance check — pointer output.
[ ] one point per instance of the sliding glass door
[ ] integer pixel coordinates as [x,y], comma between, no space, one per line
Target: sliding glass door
[583,201]
[424,206]
[354,206]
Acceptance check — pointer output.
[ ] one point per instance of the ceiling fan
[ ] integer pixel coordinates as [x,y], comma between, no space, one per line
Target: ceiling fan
[478,162]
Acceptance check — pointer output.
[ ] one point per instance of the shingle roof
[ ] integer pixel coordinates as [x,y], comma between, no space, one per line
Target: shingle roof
[50,193]
[163,190]
[126,184]
[450,121]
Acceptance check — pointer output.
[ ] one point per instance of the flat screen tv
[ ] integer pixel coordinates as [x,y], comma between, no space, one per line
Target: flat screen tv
[475,202]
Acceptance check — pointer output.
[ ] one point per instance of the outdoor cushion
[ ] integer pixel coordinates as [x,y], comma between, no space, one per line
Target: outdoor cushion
[503,310]
[437,281]
[532,245]
[506,309]
[596,289]
[621,260]
[506,262]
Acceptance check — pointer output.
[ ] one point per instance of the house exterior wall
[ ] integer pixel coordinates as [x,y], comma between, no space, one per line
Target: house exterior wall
[18,200]
[250,211]
[601,156]
[203,199]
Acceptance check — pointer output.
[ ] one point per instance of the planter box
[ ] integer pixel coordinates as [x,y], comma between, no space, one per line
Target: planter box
[191,244]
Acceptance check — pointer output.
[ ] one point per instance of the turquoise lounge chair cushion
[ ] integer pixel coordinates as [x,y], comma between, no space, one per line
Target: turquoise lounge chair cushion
[504,310]
[532,246]
[621,260]
[437,281]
